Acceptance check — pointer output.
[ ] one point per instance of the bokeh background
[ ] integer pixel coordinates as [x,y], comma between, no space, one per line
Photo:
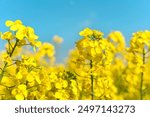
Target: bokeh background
[67,17]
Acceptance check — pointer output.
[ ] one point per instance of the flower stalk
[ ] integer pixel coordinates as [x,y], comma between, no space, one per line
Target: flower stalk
[6,64]
[142,75]
[92,82]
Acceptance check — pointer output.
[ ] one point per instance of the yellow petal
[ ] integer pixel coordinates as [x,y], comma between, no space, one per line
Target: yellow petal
[18,22]
[22,87]
[38,44]
[9,23]
[58,85]
[93,53]
[14,27]
[65,83]
[14,92]
[58,95]
[38,80]
[19,97]
[19,75]
[98,50]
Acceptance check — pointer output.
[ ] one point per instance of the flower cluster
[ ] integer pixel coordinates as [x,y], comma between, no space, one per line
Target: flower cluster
[97,68]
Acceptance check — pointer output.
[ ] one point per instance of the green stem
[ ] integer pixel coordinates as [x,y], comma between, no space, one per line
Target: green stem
[5,64]
[142,76]
[92,82]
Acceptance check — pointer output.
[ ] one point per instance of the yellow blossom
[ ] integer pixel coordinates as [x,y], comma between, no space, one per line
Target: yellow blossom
[7,35]
[57,39]
[6,58]
[86,32]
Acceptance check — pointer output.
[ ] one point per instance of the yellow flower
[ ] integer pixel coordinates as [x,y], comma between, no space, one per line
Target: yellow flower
[139,41]
[30,78]
[97,34]
[47,49]
[7,81]
[93,52]
[61,94]
[20,92]
[86,32]
[57,39]
[9,23]
[6,58]
[14,26]
[117,39]
[28,61]
[74,87]
[98,50]
[30,34]
[19,75]
[38,44]
[22,87]
[61,84]
[19,97]
[7,36]
[21,33]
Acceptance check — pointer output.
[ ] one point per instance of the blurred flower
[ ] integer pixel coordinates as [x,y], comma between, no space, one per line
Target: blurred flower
[57,39]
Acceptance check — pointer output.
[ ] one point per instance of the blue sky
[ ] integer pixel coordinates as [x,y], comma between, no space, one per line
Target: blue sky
[67,17]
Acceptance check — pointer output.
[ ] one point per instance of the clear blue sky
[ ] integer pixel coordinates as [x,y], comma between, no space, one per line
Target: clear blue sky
[67,17]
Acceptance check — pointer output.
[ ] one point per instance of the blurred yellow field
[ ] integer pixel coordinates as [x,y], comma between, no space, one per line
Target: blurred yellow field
[97,68]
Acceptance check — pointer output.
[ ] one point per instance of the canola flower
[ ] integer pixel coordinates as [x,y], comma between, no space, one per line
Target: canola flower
[57,39]
[98,68]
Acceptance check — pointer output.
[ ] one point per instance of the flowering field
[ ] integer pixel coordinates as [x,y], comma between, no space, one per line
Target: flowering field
[97,68]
